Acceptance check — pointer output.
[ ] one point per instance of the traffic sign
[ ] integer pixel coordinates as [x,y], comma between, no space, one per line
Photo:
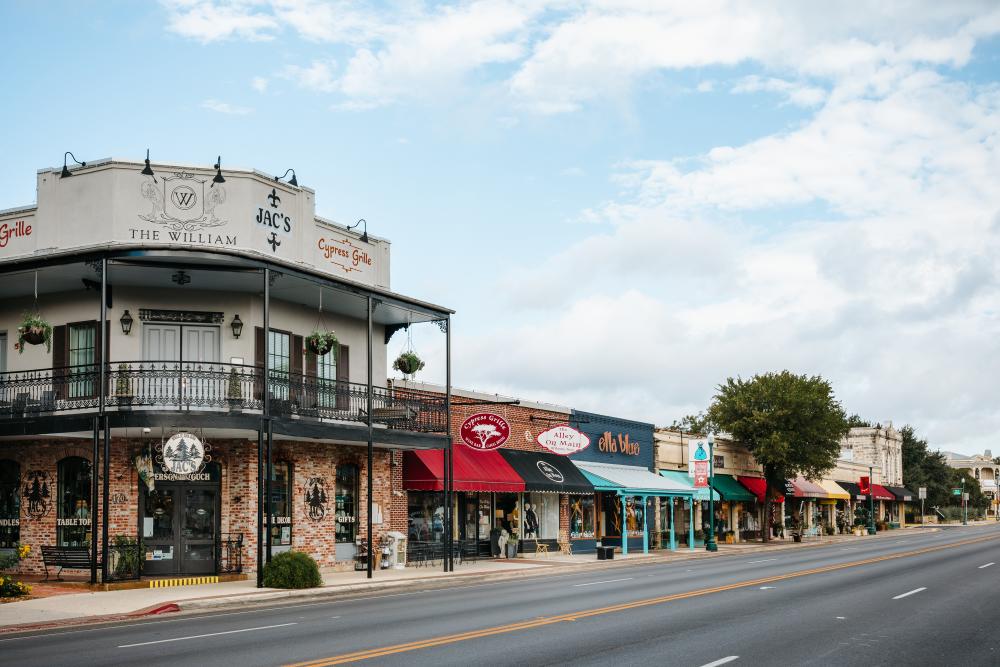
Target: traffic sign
[956,492]
[922,492]
[965,496]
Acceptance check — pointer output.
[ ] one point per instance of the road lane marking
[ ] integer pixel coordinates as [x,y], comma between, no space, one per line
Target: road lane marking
[983,567]
[211,634]
[721,661]
[609,581]
[751,562]
[379,652]
[908,594]
[766,588]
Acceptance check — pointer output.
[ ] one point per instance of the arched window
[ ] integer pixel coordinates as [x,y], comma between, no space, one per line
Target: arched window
[73,518]
[281,504]
[346,496]
[10,504]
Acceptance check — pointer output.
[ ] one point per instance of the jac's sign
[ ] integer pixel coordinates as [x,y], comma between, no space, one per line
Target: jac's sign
[485,431]
[563,440]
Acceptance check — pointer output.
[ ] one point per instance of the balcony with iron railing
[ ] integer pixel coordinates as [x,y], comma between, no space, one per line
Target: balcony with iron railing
[134,386]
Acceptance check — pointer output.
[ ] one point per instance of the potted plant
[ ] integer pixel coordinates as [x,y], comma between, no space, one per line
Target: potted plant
[730,537]
[123,388]
[321,342]
[408,363]
[512,546]
[234,391]
[34,331]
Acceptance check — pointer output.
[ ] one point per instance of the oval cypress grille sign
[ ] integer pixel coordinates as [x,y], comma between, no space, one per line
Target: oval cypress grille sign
[485,431]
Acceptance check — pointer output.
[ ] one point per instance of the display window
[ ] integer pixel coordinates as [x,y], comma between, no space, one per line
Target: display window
[541,516]
[635,513]
[10,504]
[581,517]
[73,518]
[508,512]
[346,498]
[426,516]
[281,504]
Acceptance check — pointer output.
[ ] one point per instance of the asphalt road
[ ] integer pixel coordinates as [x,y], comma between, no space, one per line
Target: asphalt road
[922,598]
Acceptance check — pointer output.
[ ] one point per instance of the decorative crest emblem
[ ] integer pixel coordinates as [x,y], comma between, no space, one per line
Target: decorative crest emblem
[316,498]
[37,492]
[183,454]
[180,202]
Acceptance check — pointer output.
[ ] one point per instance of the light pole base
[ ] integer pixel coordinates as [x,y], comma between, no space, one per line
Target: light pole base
[711,546]
[871,531]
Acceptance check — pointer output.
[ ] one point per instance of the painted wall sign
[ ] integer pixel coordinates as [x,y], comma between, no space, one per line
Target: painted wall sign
[620,444]
[273,220]
[37,491]
[563,440]
[316,498]
[485,431]
[614,440]
[343,254]
[182,203]
[14,230]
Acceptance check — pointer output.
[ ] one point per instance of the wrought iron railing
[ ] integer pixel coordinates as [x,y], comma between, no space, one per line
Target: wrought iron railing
[229,558]
[187,386]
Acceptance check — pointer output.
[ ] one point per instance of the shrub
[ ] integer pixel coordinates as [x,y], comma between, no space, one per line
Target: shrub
[10,587]
[292,569]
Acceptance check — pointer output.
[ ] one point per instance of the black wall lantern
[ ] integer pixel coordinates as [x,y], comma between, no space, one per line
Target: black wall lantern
[291,181]
[65,171]
[126,322]
[148,170]
[364,237]
[218,173]
[237,325]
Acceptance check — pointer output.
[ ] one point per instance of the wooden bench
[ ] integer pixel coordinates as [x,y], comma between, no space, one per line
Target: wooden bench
[75,558]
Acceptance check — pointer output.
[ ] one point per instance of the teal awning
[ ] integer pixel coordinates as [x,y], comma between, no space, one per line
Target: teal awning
[631,480]
[732,490]
[681,477]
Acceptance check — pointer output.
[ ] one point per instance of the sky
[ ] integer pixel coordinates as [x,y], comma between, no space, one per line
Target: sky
[626,202]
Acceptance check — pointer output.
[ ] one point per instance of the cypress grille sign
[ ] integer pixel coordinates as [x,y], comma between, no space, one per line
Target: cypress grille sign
[485,431]
[563,440]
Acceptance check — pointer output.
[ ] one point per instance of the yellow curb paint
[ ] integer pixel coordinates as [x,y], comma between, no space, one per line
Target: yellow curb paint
[185,581]
[574,616]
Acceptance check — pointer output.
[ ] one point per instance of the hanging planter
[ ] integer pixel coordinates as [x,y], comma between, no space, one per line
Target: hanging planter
[408,363]
[321,342]
[34,331]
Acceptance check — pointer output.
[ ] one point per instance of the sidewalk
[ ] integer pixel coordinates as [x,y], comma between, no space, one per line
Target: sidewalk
[75,607]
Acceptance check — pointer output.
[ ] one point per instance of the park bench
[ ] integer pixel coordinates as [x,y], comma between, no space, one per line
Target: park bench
[74,558]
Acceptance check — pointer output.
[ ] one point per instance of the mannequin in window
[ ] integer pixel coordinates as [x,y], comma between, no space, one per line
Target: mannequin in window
[530,522]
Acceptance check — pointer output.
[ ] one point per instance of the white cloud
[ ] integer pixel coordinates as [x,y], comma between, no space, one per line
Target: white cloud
[319,76]
[225,107]
[210,21]
[259,84]
[798,94]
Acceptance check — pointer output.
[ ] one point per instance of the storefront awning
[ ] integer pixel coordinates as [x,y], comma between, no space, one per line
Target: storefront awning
[682,478]
[758,487]
[853,489]
[474,471]
[902,493]
[879,492]
[833,490]
[547,472]
[630,480]
[800,487]
[732,490]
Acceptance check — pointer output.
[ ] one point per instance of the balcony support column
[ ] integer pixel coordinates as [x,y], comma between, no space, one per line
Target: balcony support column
[450,475]
[371,443]
[105,505]
[93,500]
[269,472]
[260,504]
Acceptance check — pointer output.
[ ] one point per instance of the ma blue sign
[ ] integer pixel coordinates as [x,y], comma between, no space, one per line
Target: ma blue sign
[614,440]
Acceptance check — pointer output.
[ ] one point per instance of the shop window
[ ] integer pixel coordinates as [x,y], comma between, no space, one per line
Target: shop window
[3,353]
[425,510]
[281,504]
[581,517]
[346,496]
[10,504]
[82,348]
[508,513]
[634,516]
[73,519]
[541,516]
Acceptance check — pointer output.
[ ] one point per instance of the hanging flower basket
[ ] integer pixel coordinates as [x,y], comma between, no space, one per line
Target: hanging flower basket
[321,342]
[408,363]
[34,331]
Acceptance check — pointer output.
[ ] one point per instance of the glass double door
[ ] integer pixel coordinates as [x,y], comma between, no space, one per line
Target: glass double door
[190,356]
[180,529]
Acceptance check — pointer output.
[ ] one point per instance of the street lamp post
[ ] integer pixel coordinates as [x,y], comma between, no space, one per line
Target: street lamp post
[965,505]
[710,544]
[871,501]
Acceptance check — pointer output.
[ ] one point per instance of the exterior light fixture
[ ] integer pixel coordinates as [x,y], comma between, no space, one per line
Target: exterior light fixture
[291,181]
[126,322]
[147,170]
[181,278]
[218,173]
[237,325]
[710,544]
[65,170]
[364,237]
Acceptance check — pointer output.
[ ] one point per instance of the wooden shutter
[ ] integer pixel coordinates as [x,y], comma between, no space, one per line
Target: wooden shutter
[258,362]
[343,377]
[60,353]
[311,380]
[295,384]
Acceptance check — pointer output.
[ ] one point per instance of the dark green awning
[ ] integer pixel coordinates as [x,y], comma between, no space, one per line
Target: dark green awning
[732,490]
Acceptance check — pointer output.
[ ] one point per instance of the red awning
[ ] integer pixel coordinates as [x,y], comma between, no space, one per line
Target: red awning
[803,488]
[879,492]
[474,471]
[758,487]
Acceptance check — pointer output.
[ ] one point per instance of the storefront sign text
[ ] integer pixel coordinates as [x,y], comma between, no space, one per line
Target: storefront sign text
[13,230]
[344,255]
[563,440]
[485,431]
[73,522]
[620,445]
[10,523]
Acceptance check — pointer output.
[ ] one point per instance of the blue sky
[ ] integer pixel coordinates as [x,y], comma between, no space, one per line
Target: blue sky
[625,203]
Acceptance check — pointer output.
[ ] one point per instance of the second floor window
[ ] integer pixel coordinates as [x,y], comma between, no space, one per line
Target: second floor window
[82,346]
[3,352]
[326,371]
[280,361]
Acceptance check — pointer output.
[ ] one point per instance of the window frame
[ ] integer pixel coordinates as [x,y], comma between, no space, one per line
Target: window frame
[10,534]
[63,528]
[85,387]
[355,491]
[278,521]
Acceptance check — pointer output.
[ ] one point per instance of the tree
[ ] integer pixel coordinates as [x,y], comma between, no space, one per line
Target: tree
[792,424]
[924,468]
[855,421]
[699,423]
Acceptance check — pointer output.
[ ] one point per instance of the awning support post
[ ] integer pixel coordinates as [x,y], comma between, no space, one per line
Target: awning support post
[624,526]
[645,526]
[673,537]
[691,524]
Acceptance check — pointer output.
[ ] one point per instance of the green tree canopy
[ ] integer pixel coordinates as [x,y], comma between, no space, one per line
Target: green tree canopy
[792,424]
[699,423]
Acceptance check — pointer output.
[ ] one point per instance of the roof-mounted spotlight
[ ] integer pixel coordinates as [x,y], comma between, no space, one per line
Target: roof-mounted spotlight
[292,181]
[65,171]
[218,173]
[147,170]
[364,237]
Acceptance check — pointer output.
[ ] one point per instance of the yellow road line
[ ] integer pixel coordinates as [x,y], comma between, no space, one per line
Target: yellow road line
[573,616]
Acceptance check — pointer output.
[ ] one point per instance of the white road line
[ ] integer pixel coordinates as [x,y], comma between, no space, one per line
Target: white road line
[766,588]
[609,581]
[983,567]
[211,634]
[721,661]
[750,562]
[914,591]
